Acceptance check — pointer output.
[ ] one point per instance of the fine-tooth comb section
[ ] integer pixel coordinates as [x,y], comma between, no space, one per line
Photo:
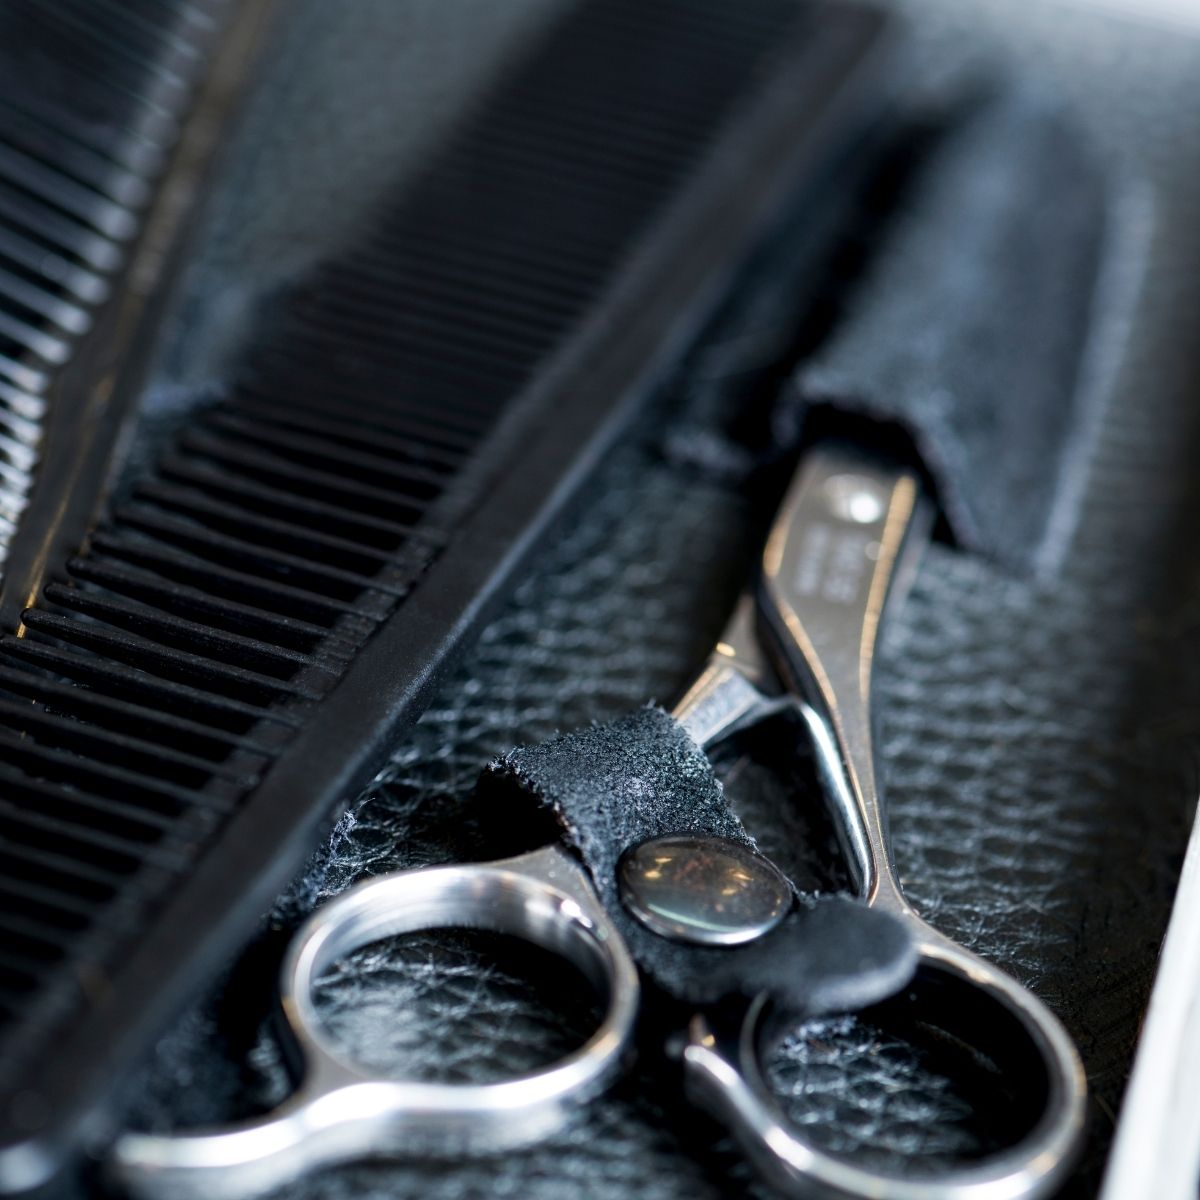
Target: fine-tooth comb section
[235,583]
[184,656]
[91,95]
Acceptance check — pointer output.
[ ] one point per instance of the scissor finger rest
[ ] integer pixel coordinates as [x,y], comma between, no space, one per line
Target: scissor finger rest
[342,1111]
[1021,1052]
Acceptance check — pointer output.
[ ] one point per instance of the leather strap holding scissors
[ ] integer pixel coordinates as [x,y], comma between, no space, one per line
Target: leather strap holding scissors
[642,782]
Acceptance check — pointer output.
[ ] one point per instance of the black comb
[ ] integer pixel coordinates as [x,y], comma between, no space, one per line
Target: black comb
[230,651]
[92,96]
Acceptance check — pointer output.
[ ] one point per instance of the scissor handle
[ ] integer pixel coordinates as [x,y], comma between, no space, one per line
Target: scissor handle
[977,1005]
[342,1111]
[848,532]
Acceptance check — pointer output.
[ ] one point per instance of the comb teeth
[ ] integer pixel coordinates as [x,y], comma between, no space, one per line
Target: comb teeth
[195,637]
[230,591]
[93,92]
[169,684]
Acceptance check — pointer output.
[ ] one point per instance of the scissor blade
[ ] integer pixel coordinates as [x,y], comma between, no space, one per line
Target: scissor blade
[1156,1155]
[834,556]
[833,553]
[844,544]
[731,692]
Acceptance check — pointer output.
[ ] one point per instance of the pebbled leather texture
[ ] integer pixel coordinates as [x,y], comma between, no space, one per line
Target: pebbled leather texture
[1038,735]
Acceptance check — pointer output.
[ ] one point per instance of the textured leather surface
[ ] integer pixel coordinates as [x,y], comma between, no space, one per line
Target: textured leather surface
[1038,733]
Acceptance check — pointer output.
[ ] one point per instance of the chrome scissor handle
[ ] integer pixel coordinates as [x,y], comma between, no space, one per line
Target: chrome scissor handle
[991,1013]
[846,533]
[342,1111]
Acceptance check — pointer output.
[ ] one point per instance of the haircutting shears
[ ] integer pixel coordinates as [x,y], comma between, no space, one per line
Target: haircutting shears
[804,637]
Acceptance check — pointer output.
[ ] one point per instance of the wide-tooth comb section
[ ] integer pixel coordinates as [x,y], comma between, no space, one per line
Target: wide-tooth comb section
[90,104]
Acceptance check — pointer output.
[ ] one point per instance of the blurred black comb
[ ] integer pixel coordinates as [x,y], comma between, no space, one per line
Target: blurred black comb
[229,651]
[91,99]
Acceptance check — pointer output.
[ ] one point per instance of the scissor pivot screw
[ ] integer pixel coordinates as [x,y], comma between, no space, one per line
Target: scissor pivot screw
[706,890]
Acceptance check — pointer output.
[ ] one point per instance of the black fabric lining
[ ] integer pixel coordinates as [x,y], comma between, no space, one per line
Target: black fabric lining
[943,296]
